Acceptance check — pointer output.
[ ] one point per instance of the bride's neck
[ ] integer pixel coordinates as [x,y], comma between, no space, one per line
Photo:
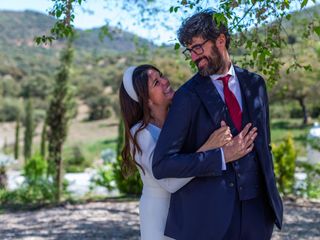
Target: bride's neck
[158,117]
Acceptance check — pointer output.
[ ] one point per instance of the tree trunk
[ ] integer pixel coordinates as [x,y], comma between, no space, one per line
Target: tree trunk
[304,110]
[3,178]
[58,174]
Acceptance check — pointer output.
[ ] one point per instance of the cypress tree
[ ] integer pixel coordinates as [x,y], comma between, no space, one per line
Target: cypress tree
[17,135]
[28,134]
[43,140]
[58,116]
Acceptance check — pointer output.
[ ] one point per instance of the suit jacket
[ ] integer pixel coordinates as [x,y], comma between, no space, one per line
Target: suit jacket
[203,208]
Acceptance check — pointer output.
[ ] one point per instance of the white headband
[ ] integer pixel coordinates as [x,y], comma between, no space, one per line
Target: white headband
[127,83]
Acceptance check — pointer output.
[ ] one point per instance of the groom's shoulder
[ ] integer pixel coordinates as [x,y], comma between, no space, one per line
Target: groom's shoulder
[188,88]
[248,75]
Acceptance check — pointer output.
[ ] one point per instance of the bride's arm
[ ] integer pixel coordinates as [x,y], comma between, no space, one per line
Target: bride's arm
[147,145]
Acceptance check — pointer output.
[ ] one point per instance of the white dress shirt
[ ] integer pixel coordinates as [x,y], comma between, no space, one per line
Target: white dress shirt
[234,88]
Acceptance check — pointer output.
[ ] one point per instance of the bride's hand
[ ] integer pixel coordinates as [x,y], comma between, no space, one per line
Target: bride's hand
[218,138]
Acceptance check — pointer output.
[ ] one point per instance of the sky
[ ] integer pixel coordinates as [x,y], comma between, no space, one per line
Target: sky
[98,15]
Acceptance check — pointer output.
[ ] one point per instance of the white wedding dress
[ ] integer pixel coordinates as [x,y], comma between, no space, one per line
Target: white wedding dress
[155,198]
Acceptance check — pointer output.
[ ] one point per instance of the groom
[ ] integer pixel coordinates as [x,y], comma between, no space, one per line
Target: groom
[234,195]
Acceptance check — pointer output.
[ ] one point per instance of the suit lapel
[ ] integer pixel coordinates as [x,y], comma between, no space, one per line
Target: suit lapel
[250,96]
[211,99]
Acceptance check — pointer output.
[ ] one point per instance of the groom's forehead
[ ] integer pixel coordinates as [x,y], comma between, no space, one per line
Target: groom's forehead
[195,41]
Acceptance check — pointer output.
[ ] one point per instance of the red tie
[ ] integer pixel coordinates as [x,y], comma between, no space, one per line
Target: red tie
[232,103]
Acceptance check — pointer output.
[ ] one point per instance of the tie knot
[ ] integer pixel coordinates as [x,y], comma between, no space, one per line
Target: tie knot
[225,79]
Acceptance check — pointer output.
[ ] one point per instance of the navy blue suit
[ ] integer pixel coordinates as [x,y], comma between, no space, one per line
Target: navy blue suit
[204,208]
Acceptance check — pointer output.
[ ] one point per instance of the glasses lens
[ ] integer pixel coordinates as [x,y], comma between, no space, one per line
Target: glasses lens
[198,49]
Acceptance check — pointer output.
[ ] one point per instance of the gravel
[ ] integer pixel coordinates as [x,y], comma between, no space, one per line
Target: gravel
[114,219]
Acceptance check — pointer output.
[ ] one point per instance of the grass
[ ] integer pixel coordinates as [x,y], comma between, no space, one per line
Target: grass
[281,128]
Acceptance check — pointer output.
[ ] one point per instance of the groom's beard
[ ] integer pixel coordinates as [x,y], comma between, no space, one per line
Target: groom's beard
[215,63]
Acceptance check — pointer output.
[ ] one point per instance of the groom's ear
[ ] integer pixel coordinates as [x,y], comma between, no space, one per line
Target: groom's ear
[221,41]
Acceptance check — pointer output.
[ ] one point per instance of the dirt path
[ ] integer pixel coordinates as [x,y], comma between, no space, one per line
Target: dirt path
[115,220]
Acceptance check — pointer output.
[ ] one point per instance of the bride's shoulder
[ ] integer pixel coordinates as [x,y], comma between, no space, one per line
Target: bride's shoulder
[143,134]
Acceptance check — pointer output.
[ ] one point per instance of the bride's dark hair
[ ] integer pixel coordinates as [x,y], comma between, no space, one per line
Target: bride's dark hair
[133,112]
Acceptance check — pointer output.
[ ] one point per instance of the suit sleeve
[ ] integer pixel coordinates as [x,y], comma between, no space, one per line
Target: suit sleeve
[147,144]
[169,161]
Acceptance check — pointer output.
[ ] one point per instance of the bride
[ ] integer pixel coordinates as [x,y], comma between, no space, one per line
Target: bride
[145,96]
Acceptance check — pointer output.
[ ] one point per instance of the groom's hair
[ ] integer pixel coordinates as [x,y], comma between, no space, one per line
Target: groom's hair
[202,24]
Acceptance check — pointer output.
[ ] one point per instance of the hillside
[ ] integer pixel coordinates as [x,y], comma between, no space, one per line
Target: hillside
[20,28]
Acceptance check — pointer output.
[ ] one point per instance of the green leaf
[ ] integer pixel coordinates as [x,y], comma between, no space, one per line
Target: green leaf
[176,9]
[304,3]
[58,13]
[288,17]
[249,44]
[254,54]
[171,9]
[176,46]
[317,30]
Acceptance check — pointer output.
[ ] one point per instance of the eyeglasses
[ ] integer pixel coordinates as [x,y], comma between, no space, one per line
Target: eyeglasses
[197,49]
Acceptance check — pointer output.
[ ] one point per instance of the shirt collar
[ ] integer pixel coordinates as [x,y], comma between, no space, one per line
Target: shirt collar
[230,72]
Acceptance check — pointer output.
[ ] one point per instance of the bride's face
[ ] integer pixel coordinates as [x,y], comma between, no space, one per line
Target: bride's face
[160,90]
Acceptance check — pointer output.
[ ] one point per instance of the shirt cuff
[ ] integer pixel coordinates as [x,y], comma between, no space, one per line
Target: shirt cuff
[224,166]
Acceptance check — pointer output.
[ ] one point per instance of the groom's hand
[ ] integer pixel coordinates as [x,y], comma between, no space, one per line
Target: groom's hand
[240,145]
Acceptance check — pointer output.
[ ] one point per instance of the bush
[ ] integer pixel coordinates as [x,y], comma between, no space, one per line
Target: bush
[36,188]
[296,113]
[10,109]
[111,177]
[279,111]
[313,180]
[98,107]
[284,165]
[104,178]
[75,161]
[315,111]
[129,185]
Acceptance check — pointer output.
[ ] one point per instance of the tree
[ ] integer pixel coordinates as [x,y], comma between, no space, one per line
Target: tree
[256,25]
[299,85]
[28,134]
[43,140]
[17,135]
[98,107]
[58,116]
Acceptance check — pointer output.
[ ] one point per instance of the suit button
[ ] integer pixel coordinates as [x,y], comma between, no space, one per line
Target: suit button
[238,174]
[240,188]
[231,184]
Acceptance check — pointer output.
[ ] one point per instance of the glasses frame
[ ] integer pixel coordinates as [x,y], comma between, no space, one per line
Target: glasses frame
[197,49]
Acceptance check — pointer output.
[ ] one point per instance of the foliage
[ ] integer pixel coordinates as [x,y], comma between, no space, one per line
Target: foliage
[10,109]
[284,164]
[9,87]
[312,181]
[105,177]
[29,129]
[257,25]
[75,161]
[17,138]
[58,116]
[3,178]
[131,184]
[98,107]
[36,86]
[111,177]
[36,188]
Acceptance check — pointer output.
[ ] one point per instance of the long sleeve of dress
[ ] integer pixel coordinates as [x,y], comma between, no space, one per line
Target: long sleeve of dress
[147,144]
